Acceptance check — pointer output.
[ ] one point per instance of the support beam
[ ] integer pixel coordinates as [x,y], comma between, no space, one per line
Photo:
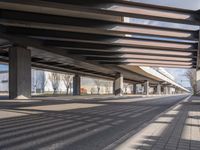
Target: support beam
[76,84]
[19,73]
[118,85]
[146,88]
[158,88]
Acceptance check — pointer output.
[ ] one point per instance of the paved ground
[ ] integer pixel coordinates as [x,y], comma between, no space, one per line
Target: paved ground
[93,124]
[176,129]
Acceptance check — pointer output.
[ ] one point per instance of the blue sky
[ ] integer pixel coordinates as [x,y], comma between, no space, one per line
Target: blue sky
[3,67]
[179,75]
[187,4]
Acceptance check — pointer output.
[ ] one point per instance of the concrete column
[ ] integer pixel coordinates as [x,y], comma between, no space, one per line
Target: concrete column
[118,84]
[158,89]
[197,82]
[76,85]
[134,88]
[146,88]
[19,73]
[165,90]
[169,90]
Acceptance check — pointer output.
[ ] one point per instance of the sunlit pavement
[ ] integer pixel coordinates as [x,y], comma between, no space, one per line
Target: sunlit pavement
[106,123]
[176,129]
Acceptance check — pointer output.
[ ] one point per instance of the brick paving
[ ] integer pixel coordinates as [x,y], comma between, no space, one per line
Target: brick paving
[176,129]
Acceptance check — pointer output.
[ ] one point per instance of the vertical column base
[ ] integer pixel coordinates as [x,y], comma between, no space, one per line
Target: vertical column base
[118,85]
[165,90]
[158,89]
[76,85]
[146,88]
[19,73]
[197,88]
[134,88]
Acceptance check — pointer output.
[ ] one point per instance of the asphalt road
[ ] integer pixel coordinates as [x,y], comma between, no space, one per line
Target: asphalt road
[75,125]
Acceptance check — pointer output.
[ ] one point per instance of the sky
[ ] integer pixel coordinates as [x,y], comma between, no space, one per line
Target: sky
[186,4]
[179,74]
[3,67]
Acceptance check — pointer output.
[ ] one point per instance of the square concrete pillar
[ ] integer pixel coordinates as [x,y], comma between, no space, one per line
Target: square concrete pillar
[19,73]
[166,90]
[158,88]
[197,82]
[169,90]
[134,88]
[146,88]
[76,85]
[118,84]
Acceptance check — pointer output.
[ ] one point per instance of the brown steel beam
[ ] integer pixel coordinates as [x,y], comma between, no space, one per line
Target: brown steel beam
[97,39]
[104,30]
[137,56]
[160,65]
[108,52]
[103,13]
[148,61]
[123,42]
[98,24]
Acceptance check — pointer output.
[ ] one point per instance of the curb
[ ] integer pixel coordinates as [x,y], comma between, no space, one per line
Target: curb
[133,133]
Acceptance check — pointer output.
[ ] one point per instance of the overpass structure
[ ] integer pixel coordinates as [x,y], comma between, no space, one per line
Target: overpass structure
[90,38]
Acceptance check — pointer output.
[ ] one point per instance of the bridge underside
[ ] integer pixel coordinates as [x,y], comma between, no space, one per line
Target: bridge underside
[95,38]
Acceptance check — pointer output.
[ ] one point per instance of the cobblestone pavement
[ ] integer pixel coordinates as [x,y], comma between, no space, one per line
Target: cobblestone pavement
[95,124]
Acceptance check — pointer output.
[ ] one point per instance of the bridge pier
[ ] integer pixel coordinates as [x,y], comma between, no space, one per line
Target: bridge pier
[158,89]
[166,90]
[76,85]
[134,88]
[19,73]
[197,92]
[146,88]
[118,85]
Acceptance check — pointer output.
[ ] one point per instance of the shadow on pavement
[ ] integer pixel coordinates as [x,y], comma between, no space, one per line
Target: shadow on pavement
[178,129]
[73,125]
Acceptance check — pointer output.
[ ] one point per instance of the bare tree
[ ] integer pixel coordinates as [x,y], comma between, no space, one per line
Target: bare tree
[55,81]
[191,75]
[40,80]
[107,85]
[98,85]
[44,84]
[67,80]
[126,87]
